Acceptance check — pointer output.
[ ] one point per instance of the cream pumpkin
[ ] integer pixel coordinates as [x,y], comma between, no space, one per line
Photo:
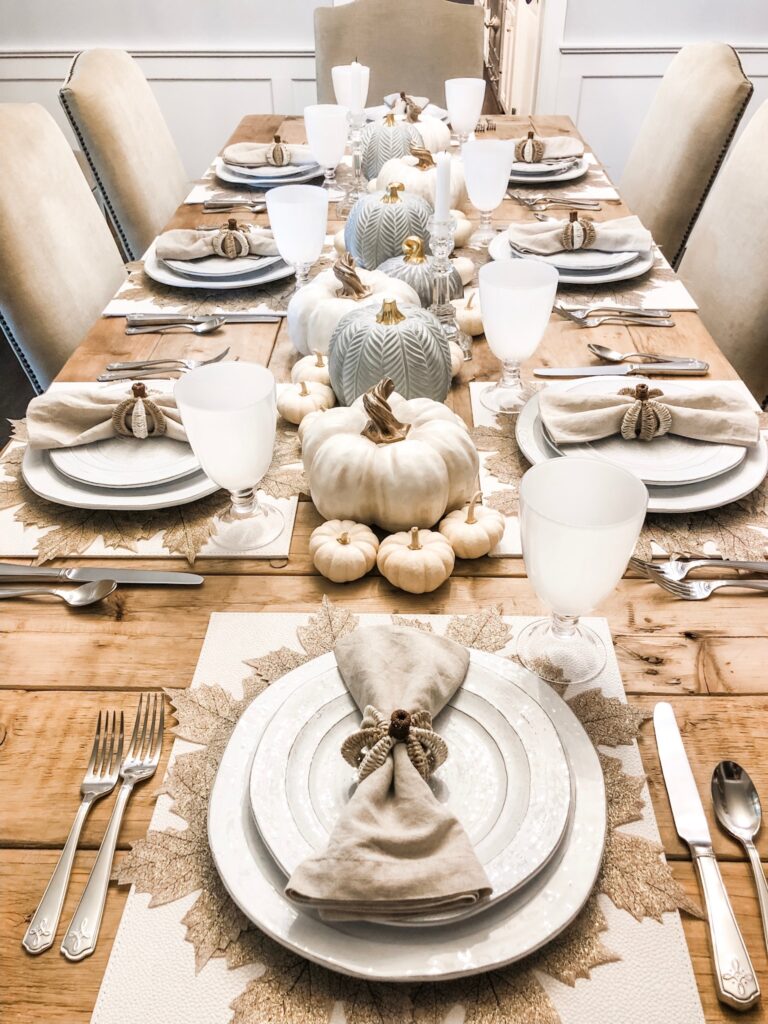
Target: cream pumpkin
[342,550]
[418,561]
[468,314]
[312,367]
[388,461]
[463,228]
[457,358]
[473,531]
[418,174]
[294,403]
[435,134]
[315,310]
[339,244]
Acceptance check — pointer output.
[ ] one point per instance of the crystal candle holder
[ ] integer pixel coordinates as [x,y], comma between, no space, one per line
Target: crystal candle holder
[357,188]
[441,234]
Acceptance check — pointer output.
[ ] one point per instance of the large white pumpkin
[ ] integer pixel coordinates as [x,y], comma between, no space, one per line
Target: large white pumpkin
[418,174]
[315,310]
[389,461]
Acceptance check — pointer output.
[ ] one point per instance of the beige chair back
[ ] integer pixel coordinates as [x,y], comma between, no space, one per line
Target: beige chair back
[683,140]
[123,133]
[409,45]
[725,265]
[59,265]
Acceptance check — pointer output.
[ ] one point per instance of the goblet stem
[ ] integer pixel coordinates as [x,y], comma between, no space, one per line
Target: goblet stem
[510,394]
[441,243]
[302,274]
[244,503]
[564,625]
[485,233]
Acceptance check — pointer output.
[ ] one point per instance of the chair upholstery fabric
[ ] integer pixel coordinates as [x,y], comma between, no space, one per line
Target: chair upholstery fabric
[725,265]
[683,140]
[123,133]
[411,45]
[59,265]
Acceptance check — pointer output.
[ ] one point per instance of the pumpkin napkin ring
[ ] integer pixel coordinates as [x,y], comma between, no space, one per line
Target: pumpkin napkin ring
[578,232]
[369,747]
[138,416]
[645,418]
[529,150]
[278,154]
[231,240]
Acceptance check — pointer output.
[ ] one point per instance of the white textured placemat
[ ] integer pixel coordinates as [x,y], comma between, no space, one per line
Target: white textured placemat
[151,973]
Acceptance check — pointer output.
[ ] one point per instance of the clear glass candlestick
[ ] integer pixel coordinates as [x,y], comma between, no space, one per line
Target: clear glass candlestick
[298,217]
[229,413]
[357,187]
[464,98]
[441,234]
[579,524]
[326,126]
[487,166]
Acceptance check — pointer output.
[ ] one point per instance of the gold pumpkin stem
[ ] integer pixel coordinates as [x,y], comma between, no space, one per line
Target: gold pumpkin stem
[424,157]
[382,427]
[415,544]
[476,499]
[319,360]
[303,389]
[389,313]
[392,193]
[346,272]
[343,538]
[413,250]
[471,299]
[389,120]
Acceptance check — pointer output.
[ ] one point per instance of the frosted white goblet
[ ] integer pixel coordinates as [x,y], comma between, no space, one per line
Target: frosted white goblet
[326,125]
[464,99]
[487,166]
[229,413]
[298,216]
[579,523]
[516,297]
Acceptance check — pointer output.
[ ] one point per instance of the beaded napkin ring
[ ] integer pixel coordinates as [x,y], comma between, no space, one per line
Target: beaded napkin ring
[231,240]
[529,150]
[645,418]
[368,748]
[578,232]
[138,416]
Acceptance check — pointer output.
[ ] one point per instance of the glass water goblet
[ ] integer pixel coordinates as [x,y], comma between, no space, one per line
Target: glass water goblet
[464,98]
[298,216]
[516,297]
[487,166]
[579,523]
[326,125]
[229,413]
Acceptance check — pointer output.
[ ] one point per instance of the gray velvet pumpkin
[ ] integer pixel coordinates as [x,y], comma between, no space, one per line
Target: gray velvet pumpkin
[384,140]
[416,269]
[379,223]
[405,345]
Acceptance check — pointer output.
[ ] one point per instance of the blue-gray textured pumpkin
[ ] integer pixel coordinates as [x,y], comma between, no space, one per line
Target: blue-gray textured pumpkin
[416,269]
[379,223]
[386,139]
[405,345]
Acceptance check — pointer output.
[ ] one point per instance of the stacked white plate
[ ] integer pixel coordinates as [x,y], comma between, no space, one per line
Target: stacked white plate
[682,475]
[550,171]
[266,177]
[584,266]
[215,273]
[523,778]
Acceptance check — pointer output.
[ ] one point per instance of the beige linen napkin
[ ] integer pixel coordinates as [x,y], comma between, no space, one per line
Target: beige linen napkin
[398,105]
[395,850]
[703,414]
[62,418]
[555,147]
[189,244]
[624,234]
[254,154]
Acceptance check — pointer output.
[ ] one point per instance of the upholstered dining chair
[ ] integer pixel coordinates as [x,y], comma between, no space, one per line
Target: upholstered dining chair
[59,265]
[725,265]
[682,142]
[121,130]
[411,45]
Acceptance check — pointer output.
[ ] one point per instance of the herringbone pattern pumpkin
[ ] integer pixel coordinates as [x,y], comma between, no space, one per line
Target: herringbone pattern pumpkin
[378,225]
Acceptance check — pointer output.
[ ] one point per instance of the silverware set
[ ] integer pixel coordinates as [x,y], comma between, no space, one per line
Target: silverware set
[143,368]
[80,597]
[541,201]
[224,203]
[672,576]
[106,765]
[596,316]
[485,124]
[41,574]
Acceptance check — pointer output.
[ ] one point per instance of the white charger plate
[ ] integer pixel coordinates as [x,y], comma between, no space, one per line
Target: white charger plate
[504,933]
[500,249]
[158,271]
[582,260]
[119,462]
[260,181]
[506,779]
[526,178]
[215,267]
[540,167]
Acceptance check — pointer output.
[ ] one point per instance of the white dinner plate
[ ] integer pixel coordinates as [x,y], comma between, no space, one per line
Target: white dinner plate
[119,462]
[500,249]
[215,267]
[158,271]
[265,170]
[506,779]
[506,932]
[41,476]
[577,171]
[541,167]
[431,110]
[242,177]
[698,497]
[581,260]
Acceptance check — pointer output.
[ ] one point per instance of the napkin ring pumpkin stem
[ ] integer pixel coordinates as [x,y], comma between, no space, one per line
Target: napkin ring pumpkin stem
[369,747]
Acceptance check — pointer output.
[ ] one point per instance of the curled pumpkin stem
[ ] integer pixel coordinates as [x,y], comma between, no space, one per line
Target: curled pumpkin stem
[382,427]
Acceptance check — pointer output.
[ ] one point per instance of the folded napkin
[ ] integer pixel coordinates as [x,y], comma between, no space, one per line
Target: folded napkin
[267,154]
[399,105]
[533,148]
[62,418]
[644,413]
[189,244]
[624,234]
[395,850]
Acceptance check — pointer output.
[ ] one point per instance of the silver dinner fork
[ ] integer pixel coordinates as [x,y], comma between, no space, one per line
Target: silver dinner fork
[677,569]
[700,590]
[99,780]
[146,367]
[582,313]
[622,318]
[541,201]
[139,764]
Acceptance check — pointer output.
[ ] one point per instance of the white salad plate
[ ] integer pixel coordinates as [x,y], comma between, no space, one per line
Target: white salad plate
[214,267]
[544,167]
[256,179]
[502,934]
[578,170]
[582,260]
[506,778]
[119,462]
[158,271]
[500,249]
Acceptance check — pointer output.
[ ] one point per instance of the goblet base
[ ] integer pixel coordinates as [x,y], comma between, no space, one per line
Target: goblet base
[506,398]
[243,535]
[575,656]
[481,238]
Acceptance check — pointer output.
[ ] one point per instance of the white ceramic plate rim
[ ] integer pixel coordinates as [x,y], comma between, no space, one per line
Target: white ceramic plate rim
[157,271]
[221,170]
[578,171]
[596,259]
[215,267]
[504,933]
[540,167]
[69,462]
[499,249]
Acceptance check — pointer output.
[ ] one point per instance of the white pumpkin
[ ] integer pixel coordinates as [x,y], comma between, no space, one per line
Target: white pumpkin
[389,461]
[418,174]
[457,358]
[338,242]
[343,550]
[473,531]
[313,367]
[463,230]
[294,403]
[418,561]
[468,314]
[435,134]
[464,267]
[315,310]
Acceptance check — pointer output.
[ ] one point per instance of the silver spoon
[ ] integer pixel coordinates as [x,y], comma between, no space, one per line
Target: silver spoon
[737,807]
[204,327]
[610,355]
[89,593]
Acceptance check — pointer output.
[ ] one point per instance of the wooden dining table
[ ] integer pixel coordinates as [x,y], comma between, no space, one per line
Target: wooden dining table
[59,667]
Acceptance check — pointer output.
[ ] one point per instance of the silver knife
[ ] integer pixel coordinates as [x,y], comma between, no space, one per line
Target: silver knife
[149,319]
[690,368]
[36,573]
[735,979]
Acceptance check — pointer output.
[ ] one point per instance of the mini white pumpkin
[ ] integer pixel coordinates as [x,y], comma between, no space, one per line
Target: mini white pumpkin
[463,230]
[388,461]
[418,174]
[468,314]
[464,267]
[418,561]
[417,270]
[338,242]
[294,404]
[379,223]
[384,139]
[315,310]
[457,358]
[474,530]
[312,367]
[343,550]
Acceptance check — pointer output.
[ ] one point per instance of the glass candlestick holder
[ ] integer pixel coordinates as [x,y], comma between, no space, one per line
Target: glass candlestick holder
[357,188]
[441,234]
